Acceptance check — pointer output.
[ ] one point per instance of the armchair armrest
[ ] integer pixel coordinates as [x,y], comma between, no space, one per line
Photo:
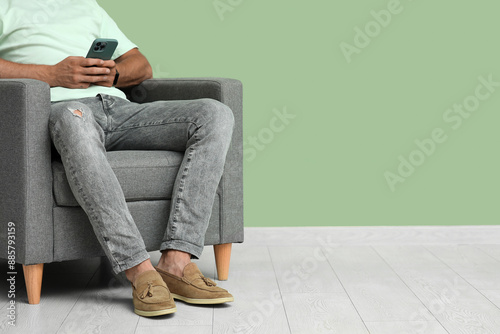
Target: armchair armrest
[25,169]
[229,92]
[184,89]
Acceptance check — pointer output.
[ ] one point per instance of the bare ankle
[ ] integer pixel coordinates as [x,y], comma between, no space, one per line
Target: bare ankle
[132,273]
[174,261]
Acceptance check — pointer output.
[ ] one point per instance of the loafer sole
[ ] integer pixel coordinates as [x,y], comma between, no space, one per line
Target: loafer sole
[155,313]
[203,301]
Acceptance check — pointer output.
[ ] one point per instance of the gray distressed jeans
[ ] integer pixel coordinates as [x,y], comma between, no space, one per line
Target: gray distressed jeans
[83,130]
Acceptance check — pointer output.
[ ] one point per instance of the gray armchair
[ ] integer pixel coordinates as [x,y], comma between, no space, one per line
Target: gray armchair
[35,196]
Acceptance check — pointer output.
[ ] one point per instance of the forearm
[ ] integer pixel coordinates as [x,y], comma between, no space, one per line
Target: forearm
[133,70]
[11,70]
[79,72]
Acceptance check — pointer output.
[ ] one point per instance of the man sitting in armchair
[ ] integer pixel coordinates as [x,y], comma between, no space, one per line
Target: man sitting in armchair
[90,116]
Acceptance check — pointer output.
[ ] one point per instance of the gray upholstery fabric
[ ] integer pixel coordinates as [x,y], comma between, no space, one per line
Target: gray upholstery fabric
[25,173]
[143,175]
[74,237]
[47,231]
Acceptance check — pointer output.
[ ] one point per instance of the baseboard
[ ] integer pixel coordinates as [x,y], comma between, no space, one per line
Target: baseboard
[366,235]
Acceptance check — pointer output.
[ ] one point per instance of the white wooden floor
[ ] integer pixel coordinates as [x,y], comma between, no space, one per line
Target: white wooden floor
[348,280]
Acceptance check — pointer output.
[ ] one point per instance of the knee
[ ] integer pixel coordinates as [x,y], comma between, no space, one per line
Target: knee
[218,114]
[68,114]
[71,121]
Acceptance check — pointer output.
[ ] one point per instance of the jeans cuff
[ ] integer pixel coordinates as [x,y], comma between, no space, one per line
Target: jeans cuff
[131,262]
[183,246]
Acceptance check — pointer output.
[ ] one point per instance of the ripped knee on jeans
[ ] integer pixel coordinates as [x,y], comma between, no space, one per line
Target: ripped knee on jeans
[76,112]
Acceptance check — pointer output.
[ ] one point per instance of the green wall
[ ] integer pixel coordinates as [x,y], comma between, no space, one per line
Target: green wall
[356,113]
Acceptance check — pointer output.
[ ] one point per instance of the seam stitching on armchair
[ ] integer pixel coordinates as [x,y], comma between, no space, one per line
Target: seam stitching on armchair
[26,168]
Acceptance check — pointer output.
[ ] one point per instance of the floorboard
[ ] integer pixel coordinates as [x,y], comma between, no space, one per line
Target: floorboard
[471,263]
[377,291]
[322,313]
[456,304]
[258,305]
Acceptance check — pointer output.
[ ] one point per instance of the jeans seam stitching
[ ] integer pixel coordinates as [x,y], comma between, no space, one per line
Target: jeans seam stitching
[57,136]
[181,184]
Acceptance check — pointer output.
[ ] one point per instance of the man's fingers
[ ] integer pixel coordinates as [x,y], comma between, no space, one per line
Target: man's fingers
[95,78]
[96,70]
[92,62]
[98,62]
[109,63]
[90,79]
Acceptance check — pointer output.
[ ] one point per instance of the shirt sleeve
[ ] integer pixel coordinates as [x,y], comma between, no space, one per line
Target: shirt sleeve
[1,23]
[109,29]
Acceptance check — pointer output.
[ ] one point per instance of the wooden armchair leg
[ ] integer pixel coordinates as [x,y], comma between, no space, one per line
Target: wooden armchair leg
[33,278]
[222,258]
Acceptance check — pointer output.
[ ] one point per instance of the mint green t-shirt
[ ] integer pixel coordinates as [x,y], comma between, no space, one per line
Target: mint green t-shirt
[44,32]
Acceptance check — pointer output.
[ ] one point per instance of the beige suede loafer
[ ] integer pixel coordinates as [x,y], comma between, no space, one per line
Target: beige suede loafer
[151,295]
[194,288]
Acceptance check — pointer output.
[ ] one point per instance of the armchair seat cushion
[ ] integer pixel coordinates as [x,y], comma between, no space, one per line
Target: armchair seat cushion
[143,176]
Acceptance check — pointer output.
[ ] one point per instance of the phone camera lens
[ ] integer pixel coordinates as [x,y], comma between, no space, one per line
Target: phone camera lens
[96,48]
[98,43]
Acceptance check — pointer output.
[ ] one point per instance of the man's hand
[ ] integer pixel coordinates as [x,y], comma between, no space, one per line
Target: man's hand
[110,78]
[80,72]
